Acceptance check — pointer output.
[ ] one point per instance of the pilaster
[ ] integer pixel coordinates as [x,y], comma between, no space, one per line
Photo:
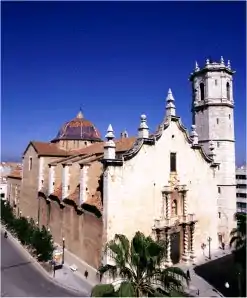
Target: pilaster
[51,185]
[83,182]
[65,181]
[41,173]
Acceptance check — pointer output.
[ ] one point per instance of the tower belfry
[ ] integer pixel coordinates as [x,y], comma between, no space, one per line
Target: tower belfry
[213,115]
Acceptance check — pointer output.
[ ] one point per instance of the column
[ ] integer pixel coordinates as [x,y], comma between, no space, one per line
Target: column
[185,256]
[83,182]
[65,181]
[168,250]
[51,179]
[185,203]
[168,205]
[41,173]
[192,235]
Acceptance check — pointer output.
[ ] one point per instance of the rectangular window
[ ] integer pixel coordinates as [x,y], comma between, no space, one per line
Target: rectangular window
[217,120]
[219,214]
[30,163]
[173,162]
[216,82]
[218,144]
[219,190]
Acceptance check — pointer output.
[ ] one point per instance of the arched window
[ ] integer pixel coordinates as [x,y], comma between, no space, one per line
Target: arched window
[174,208]
[228,91]
[202,91]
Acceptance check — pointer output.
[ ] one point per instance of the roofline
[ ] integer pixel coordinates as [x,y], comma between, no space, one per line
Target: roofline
[74,139]
[216,69]
[14,177]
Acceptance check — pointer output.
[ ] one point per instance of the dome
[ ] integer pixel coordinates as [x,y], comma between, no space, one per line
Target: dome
[78,129]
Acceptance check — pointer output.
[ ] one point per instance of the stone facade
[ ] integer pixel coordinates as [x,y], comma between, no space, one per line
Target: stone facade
[213,113]
[169,184]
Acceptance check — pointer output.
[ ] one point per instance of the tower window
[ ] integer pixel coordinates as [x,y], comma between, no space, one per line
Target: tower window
[217,120]
[216,82]
[173,162]
[228,91]
[229,116]
[219,214]
[202,91]
[30,163]
[218,144]
[219,189]
[85,143]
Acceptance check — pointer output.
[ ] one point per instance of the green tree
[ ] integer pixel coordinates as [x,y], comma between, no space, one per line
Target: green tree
[43,244]
[238,239]
[138,269]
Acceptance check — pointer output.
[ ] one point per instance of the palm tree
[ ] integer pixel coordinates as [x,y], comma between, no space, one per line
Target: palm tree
[238,238]
[137,268]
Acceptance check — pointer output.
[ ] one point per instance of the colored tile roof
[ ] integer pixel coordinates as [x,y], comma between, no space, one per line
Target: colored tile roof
[49,149]
[78,129]
[16,173]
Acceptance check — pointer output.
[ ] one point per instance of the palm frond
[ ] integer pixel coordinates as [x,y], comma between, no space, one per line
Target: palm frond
[111,270]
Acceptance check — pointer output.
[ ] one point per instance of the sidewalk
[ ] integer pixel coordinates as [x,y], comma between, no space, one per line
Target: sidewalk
[64,277]
[197,282]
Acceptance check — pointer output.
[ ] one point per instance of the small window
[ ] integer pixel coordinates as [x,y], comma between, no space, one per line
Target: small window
[219,214]
[202,91]
[68,187]
[42,182]
[216,82]
[53,183]
[217,120]
[30,163]
[229,116]
[173,164]
[218,144]
[85,143]
[219,189]
[228,91]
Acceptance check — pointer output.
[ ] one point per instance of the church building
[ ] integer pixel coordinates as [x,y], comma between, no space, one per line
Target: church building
[171,184]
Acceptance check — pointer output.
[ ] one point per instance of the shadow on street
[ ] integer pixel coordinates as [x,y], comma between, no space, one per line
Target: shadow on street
[220,271]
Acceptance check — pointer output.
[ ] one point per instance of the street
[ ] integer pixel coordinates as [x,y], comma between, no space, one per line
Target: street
[20,277]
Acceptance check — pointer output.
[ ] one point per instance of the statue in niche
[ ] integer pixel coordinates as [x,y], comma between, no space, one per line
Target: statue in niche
[174,210]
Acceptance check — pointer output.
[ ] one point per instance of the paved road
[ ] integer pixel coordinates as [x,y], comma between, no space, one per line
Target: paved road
[20,277]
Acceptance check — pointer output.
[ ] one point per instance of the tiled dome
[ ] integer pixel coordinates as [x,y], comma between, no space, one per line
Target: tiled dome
[78,129]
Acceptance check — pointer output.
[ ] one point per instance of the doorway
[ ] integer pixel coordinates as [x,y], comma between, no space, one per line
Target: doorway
[175,247]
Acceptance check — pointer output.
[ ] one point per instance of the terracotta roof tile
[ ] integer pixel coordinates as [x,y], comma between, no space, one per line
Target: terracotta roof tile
[123,144]
[49,149]
[16,173]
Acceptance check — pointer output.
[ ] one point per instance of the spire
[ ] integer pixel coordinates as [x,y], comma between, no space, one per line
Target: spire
[170,107]
[110,146]
[194,135]
[229,64]
[143,130]
[222,60]
[79,115]
[207,61]
[196,67]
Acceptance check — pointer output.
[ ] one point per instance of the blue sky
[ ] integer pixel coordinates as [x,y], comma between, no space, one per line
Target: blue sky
[115,59]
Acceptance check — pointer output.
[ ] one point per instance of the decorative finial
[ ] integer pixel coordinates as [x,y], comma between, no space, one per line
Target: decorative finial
[110,135]
[80,115]
[222,60]
[207,61]
[110,146]
[229,64]
[194,135]
[196,66]
[143,128]
[170,106]
[124,134]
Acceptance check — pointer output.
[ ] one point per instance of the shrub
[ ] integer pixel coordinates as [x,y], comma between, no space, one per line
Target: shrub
[28,232]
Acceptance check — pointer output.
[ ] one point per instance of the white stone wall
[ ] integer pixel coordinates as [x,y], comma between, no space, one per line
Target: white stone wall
[133,193]
[41,173]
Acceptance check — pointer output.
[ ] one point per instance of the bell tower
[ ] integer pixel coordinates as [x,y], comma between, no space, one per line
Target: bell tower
[213,115]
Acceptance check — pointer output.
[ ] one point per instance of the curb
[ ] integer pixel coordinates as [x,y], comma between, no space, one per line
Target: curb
[46,274]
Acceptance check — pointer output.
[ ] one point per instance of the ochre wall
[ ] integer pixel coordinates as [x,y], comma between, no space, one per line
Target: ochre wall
[82,233]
